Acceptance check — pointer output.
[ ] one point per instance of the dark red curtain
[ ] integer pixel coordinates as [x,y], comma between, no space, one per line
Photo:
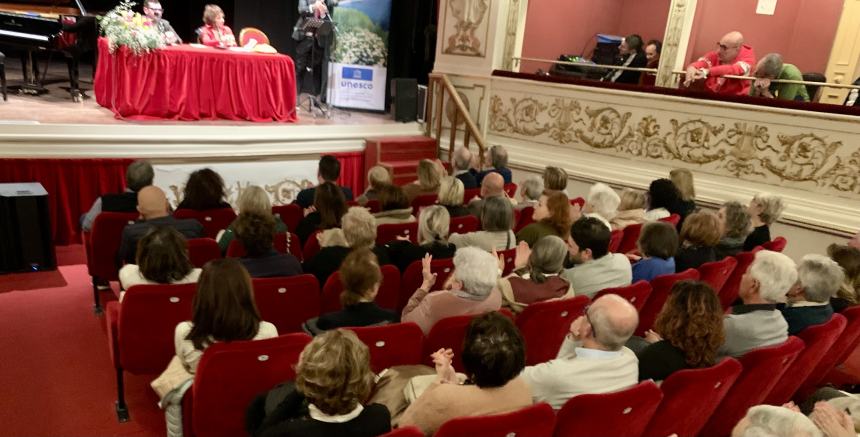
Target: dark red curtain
[72,185]
[352,171]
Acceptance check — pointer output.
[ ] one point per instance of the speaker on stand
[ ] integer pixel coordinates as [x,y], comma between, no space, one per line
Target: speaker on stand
[404,95]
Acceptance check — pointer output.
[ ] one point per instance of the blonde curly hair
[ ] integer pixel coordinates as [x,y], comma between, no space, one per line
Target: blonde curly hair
[334,372]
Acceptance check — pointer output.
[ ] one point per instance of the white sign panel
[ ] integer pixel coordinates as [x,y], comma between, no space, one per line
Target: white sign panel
[357,86]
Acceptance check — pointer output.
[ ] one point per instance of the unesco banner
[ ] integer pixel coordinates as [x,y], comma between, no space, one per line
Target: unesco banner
[358,68]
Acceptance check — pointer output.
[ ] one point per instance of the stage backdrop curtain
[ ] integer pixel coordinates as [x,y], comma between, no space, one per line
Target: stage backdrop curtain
[72,185]
[352,171]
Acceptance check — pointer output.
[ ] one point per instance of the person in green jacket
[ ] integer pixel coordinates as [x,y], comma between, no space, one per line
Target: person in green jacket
[771,67]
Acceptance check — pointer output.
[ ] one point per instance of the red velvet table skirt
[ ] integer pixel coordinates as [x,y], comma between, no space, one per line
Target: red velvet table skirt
[191,83]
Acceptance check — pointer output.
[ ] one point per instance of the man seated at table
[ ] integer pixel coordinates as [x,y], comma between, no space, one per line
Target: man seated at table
[138,175]
[153,10]
[771,67]
[732,58]
[154,211]
[215,33]
[328,171]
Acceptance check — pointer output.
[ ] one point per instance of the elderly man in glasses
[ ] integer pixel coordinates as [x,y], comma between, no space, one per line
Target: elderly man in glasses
[153,10]
[732,57]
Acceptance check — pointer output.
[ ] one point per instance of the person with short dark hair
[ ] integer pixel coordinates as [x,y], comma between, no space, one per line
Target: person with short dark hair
[252,200]
[139,174]
[664,199]
[257,232]
[394,206]
[699,237]
[493,357]
[594,267]
[631,54]
[329,208]
[152,9]
[657,244]
[153,208]
[652,56]
[204,190]
[162,258]
[328,171]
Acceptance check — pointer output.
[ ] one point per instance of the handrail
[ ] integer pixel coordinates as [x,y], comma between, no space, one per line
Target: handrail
[460,112]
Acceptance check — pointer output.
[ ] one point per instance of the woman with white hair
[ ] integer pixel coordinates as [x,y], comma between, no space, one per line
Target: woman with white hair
[757,322]
[602,203]
[253,200]
[530,192]
[377,177]
[764,209]
[471,289]
[770,420]
[809,300]
[536,275]
[433,226]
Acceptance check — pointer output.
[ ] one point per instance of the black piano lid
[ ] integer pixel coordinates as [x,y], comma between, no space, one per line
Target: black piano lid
[49,3]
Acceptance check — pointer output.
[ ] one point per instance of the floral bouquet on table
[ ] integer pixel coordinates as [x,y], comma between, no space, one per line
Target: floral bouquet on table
[125,28]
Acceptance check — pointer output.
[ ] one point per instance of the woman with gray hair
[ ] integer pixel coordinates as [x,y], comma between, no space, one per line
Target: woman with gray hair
[764,209]
[471,289]
[433,227]
[735,220]
[770,420]
[530,192]
[602,203]
[536,275]
[631,210]
[809,300]
[377,177]
[497,217]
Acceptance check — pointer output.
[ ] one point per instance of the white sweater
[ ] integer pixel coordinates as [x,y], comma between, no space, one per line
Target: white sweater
[129,276]
[189,355]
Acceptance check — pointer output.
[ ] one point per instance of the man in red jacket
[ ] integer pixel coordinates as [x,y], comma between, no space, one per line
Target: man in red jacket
[732,58]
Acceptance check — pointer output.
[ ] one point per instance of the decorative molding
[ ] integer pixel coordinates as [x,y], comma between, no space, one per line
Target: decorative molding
[466,27]
[675,40]
[511,34]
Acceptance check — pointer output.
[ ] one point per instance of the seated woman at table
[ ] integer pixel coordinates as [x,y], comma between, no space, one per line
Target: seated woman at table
[215,33]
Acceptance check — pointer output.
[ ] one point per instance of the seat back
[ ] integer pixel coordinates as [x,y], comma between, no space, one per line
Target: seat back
[312,246]
[818,340]
[231,375]
[762,368]
[511,190]
[447,333]
[526,218]
[202,250]
[392,345]
[412,278]
[105,239]
[729,292]
[148,315]
[509,256]
[408,431]
[615,239]
[845,344]
[717,273]
[470,193]
[423,200]
[287,302]
[533,421]
[389,232]
[464,224]
[660,288]
[623,413]
[579,201]
[776,245]
[637,294]
[373,205]
[249,33]
[387,296]
[290,214]
[213,220]
[631,236]
[544,325]
[690,397]
[283,242]
[674,219]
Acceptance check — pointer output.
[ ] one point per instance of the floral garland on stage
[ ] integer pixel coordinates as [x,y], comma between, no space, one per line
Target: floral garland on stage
[125,28]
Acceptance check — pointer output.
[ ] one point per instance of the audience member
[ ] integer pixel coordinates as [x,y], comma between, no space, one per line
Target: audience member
[592,358]
[377,177]
[657,244]
[687,333]
[257,232]
[214,32]
[471,289]
[652,55]
[595,268]
[602,203]
[428,181]
[531,190]
[328,171]
[630,54]
[808,302]
[849,292]
[463,168]
[333,379]
[493,358]
[253,200]
[683,180]
[153,208]
[492,185]
[329,206]
[551,217]
[735,222]
[395,206]
[770,420]
[764,209]
[152,9]
[496,232]
[498,164]
[757,322]
[664,199]
[162,258]
[733,58]
[770,68]
[433,228]
[631,209]
[204,190]
[555,178]
[451,194]
[699,237]
[139,174]
[536,276]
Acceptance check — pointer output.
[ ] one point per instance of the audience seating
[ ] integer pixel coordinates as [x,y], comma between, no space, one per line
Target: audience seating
[287,302]
[776,245]
[690,397]
[231,375]
[510,257]
[103,245]
[448,333]
[545,324]
[422,201]
[526,218]
[213,220]
[392,345]
[636,293]
[631,237]
[729,292]
[412,278]
[311,247]
[533,421]
[470,193]
[290,214]
[818,340]
[674,219]
[578,201]
[624,413]
[373,206]
[389,232]
[387,297]
[464,224]
[717,273]
[511,190]
[140,331]
[202,250]
[409,431]
[280,242]
[661,286]
[836,355]
[615,239]
[762,368]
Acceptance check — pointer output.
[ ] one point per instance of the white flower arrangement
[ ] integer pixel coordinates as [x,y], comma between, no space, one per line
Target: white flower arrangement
[360,47]
[125,28]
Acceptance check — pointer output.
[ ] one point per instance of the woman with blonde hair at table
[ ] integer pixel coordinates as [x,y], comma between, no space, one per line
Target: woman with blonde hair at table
[214,32]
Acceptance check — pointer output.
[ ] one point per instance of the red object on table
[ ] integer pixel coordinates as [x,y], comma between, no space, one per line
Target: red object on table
[193,83]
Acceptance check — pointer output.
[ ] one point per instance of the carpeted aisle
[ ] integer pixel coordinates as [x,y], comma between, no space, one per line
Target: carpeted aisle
[56,377]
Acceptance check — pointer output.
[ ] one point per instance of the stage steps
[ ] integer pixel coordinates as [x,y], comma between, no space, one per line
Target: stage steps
[399,154]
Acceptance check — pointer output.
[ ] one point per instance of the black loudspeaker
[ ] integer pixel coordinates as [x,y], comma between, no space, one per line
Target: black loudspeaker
[404,94]
[25,229]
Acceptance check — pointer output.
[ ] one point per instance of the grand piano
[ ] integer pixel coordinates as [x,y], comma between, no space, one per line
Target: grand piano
[48,26]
